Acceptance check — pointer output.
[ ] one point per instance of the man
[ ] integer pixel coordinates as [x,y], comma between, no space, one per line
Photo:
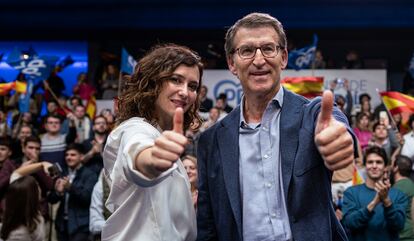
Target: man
[374,211]
[17,143]
[221,102]
[31,152]
[402,171]
[73,191]
[94,146]
[82,123]
[407,148]
[265,169]
[53,142]
[385,137]
[206,103]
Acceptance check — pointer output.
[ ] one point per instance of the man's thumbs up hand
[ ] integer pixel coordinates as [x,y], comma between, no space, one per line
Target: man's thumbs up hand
[332,138]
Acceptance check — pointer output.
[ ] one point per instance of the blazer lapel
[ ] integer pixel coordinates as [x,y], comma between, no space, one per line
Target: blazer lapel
[228,139]
[290,122]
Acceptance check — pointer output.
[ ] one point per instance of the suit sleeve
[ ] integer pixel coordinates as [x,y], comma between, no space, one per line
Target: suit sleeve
[205,221]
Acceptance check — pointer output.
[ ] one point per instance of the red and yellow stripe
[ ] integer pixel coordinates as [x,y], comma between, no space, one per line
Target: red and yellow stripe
[308,86]
[397,102]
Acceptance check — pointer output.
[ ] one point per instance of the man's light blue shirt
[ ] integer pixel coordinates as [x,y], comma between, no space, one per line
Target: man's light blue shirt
[265,215]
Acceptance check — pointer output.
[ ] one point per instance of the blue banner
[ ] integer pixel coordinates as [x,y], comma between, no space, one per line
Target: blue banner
[127,62]
[304,57]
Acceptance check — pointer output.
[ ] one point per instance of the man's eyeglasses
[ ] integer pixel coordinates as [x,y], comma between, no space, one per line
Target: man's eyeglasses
[249,52]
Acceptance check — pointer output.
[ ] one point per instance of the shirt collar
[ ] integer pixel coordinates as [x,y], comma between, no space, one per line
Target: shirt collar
[277,100]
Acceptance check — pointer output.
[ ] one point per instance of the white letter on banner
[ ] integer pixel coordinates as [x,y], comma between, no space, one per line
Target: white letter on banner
[33,67]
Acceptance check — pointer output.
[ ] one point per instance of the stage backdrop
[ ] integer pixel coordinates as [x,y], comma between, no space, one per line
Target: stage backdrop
[361,81]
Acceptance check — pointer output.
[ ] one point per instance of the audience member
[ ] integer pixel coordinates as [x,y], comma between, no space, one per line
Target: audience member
[7,167]
[213,117]
[82,88]
[374,211]
[221,102]
[32,164]
[401,174]
[82,122]
[385,137]
[22,220]
[206,103]
[352,60]
[319,62]
[362,129]
[94,145]
[408,147]
[73,190]
[53,142]
[190,165]
[109,82]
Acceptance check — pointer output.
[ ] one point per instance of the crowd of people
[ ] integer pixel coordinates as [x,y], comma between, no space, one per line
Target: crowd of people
[118,175]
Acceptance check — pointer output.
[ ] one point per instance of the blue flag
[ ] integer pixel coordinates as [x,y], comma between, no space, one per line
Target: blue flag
[127,62]
[24,99]
[65,62]
[411,68]
[303,58]
[35,67]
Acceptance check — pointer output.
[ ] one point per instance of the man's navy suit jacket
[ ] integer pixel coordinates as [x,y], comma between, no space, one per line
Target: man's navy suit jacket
[306,180]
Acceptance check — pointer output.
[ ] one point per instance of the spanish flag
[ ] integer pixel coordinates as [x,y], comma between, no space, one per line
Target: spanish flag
[91,107]
[357,177]
[20,87]
[397,102]
[308,86]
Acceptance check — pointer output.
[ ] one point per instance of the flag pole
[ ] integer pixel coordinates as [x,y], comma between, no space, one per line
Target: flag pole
[54,96]
[393,123]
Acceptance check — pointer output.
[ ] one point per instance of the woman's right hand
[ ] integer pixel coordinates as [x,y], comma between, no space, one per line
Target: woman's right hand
[166,151]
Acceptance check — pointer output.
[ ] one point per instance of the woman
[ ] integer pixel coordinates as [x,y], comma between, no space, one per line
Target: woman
[22,219]
[190,165]
[362,129]
[150,194]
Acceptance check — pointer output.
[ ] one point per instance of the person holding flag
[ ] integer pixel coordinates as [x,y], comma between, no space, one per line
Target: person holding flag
[265,169]
[150,197]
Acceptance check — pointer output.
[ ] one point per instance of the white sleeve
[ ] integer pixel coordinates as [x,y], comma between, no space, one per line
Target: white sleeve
[96,217]
[131,145]
[14,176]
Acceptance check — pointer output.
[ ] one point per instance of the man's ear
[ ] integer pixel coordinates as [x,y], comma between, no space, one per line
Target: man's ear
[285,57]
[231,64]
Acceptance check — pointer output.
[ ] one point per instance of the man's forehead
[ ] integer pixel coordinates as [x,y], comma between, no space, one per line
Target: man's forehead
[265,33]
[33,144]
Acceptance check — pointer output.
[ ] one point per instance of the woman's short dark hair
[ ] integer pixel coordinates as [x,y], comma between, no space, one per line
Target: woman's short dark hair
[22,206]
[155,68]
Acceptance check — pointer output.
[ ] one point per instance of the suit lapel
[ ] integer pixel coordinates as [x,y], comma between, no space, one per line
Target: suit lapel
[228,139]
[290,122]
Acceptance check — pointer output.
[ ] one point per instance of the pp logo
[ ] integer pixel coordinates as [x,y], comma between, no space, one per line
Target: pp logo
[305,58]
[32,67]
[232,90]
